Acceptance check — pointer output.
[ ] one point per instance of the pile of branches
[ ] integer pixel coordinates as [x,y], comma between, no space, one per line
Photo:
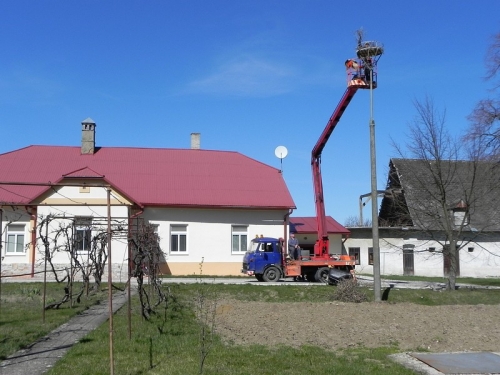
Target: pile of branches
[349,291]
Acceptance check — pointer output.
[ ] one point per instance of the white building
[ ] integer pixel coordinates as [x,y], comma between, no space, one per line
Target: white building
[206,205]
[412,228]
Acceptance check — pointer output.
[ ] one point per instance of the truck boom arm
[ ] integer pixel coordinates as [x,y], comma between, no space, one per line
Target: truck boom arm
[321,248]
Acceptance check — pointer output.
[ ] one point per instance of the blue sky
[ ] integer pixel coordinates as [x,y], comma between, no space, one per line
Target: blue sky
[248,75]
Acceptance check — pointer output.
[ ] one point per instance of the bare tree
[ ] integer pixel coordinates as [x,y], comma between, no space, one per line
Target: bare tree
[146,259]
[59,235]
[353,221]
[484,120]
[84,241]
[442,185]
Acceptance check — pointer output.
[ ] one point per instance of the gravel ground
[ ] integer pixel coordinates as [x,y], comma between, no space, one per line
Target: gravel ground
[335,325]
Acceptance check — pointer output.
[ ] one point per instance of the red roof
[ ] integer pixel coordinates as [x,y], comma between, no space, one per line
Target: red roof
[157,177]
[304,225]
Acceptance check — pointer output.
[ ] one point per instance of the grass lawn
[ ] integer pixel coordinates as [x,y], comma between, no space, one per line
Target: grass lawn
[21,313]
[176,349]
[171,343]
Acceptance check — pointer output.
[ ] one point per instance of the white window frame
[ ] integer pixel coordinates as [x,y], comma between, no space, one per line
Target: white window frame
[83,224]
[178,231]
[239,233]
[15,231]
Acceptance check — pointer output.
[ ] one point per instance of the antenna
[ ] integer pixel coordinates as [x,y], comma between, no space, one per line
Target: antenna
[281,152]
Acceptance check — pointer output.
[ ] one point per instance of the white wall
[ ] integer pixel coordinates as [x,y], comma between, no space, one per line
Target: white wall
[15,215]
[209,231]
[119,214]
[308,240]
[482,261]
[65,203]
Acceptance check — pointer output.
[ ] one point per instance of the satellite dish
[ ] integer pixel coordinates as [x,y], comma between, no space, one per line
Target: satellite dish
[281,152]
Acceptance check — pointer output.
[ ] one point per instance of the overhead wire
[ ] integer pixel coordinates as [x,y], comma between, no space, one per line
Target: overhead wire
[74,201]
[12,192]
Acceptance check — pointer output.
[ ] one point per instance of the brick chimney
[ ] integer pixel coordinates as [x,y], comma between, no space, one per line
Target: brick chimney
[88,136]
[195,141]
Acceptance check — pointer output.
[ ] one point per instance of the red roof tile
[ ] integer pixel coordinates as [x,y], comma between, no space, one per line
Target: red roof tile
[158,177]
[309,225]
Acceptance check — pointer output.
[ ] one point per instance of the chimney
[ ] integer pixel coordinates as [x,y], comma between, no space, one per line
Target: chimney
[88,136]
[195,141]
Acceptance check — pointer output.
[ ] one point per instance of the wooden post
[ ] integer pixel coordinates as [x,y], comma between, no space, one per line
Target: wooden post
[110,290]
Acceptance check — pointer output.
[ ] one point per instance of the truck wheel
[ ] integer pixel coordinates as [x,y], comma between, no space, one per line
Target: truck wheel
[322,275]
[271,274]
[259,277]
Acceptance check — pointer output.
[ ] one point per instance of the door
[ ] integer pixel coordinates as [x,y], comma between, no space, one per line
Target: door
[265,255]
[408,260]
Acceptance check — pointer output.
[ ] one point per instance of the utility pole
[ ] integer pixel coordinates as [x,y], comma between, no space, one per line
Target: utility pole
[375,235]
[369,53]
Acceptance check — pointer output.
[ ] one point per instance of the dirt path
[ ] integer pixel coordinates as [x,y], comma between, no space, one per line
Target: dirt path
[335,325]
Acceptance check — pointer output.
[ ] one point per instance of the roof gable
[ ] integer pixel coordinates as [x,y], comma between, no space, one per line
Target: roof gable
[417,189]
[71,195]
[85,172]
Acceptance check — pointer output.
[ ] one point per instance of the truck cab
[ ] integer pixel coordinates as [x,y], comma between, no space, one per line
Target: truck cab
[267,261]
[264,258]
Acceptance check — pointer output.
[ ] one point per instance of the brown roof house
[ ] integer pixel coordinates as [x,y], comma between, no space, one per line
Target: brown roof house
[426,205]
[205,205]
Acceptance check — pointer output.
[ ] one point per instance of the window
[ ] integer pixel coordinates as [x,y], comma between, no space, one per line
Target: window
[178,239]
[83,231]
[470,249]
[354,252]
[239,235]
[370,255]
[15,239]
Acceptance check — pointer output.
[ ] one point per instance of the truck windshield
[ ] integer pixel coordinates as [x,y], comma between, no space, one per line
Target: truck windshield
[262,246]
[253,247]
